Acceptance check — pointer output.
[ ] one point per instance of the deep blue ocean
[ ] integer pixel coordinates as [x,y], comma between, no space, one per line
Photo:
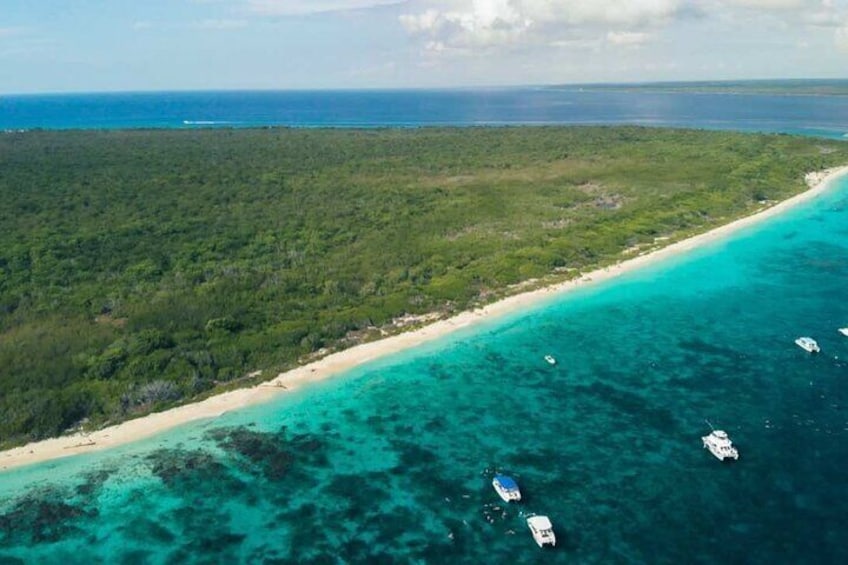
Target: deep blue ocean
[810,115]
[392,462]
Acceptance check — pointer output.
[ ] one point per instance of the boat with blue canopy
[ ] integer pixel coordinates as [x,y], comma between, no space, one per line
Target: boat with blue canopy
[506,487]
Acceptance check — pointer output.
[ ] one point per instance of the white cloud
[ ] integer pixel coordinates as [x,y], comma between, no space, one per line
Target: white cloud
[788,13]
[826,14]
[446,25]
[772,4]
[592,44]
[11,31]
[303,7]
[490,23]
[421,23]
[625,13]
[221,24]
[822,18]
[823,13]
[841,37]
[629,38]
[572,12]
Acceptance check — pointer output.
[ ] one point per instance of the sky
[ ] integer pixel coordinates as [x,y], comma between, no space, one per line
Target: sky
[129,45]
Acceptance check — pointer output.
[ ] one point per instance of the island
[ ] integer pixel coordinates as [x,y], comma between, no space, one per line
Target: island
[144,270]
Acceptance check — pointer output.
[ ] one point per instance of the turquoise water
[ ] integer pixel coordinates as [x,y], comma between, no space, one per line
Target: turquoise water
[392,462]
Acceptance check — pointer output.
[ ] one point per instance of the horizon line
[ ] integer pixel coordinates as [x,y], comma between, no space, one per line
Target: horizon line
[593,84]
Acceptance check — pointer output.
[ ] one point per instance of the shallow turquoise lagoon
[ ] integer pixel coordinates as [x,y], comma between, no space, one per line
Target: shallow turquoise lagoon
[393,462]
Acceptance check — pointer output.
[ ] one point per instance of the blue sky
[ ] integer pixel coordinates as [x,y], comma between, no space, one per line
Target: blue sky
[116,45]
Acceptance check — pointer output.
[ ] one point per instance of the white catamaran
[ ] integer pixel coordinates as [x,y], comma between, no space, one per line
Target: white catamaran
[808,344]
[542,530]
[720,445]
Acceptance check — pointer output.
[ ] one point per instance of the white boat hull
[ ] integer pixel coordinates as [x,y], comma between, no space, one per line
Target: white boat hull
[807,344]
[542,530]
[720,446]
[719,455]
[506,495]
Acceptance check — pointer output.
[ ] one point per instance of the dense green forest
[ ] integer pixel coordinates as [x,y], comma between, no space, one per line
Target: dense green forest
[141,269]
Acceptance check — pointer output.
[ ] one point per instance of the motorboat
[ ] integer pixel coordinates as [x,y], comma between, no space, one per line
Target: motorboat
[720,445]
[506,487]
[550,359]
[808,344]
[844,331]
[542,530]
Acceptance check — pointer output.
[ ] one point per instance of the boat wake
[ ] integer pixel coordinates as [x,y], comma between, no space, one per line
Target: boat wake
[207,123]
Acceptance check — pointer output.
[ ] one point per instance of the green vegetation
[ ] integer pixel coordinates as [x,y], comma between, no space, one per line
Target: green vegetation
[139,269]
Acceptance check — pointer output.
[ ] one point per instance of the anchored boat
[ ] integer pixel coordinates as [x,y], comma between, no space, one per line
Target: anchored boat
[506,487]
[808,344]
[720,445]
[542,530]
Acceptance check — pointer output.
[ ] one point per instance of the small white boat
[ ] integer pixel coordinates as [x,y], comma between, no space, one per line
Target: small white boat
[808,344]
[720,445]
[550,359]
[506,487]
[542,530]
[844,331]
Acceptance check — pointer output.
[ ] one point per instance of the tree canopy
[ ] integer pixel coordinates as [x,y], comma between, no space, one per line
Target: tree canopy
[139,269]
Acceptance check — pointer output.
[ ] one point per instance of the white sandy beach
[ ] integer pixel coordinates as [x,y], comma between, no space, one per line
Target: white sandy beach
[339,362]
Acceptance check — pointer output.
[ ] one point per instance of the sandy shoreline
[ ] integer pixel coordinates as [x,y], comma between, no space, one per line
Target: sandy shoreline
[335,363]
